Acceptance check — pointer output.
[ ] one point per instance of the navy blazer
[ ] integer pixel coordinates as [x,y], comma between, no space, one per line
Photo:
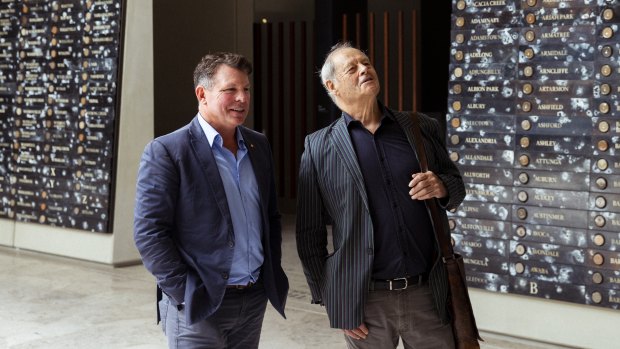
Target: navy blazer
[332,191]
[182,224]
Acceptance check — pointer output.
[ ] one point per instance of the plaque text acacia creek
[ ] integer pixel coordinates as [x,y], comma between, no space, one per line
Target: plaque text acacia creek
[533,110]
[60,64]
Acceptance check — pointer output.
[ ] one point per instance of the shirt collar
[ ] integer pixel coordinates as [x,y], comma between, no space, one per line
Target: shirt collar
[214,136]
[384,113]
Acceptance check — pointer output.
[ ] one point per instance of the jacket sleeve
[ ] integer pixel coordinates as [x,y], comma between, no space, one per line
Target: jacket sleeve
[443,167]
[154,223]
[311,231]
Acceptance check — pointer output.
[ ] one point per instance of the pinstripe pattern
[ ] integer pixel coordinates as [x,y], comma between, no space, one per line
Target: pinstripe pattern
[331,191]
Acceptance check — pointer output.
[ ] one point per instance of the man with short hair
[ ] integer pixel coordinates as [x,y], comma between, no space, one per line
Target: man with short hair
[206,219]
[384,280]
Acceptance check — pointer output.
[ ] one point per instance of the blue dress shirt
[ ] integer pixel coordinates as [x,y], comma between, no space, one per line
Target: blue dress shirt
[244,204]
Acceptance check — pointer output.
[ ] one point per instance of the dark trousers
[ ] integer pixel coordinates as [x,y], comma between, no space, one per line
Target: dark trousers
[235,325]
[409,315]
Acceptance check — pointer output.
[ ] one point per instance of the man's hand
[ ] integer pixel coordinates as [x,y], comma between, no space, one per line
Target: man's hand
[426,185]
[358,333]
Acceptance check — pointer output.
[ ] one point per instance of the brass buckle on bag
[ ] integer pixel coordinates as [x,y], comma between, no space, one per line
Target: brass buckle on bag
[397,289]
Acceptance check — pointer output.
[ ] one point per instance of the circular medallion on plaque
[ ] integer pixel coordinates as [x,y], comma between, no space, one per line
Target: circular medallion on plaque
[460,21]
[602,164]
[531,3]
[459,38]
[601,183]
[452,224]
[528,71]
[530,35]
[606,70]
[454,156]
[520,249]
[597,297]
[607,51]
[524,142]
[456,122]
[519,267]
[597,278]
[598,259]
[608,14]
[605,89]
[528,53]
[455,139]
[527,88]
[607,33]
[522,196]
[460,5]
[602,145]
[456,105]
[604,107]
[524,160]
[599,240]
[530,18]
[458,72]
[526,106]
[524,178]
[600,221]
[526,125]
[458,55]
[600,202]
[521,231]
[603,126]
[521,213]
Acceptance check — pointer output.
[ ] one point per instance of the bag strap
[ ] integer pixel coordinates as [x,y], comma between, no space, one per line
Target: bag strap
[444,242]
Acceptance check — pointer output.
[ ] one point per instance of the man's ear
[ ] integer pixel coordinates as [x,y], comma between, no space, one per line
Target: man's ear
[330,86]
[200,94]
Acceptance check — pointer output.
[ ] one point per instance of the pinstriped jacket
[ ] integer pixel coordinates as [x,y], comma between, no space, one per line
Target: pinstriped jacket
[332,191]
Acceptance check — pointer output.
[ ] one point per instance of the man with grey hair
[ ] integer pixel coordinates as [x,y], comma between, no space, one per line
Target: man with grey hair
[206,219]
[384,280]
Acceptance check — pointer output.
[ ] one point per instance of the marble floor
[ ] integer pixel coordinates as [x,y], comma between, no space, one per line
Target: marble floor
[53,302]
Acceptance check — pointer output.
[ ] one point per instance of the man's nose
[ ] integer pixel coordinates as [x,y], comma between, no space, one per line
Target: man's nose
[242,96]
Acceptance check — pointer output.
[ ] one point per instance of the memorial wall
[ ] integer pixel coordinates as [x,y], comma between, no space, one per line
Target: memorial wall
[534,126]
[59,98]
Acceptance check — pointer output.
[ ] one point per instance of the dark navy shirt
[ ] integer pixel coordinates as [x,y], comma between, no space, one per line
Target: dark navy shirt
[403,235]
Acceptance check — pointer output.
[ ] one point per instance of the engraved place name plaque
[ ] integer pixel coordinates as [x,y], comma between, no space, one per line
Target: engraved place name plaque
[533,124]
[59,81]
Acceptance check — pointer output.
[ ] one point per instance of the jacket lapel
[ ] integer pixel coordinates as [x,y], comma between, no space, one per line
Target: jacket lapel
[346,153]
[204,154]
